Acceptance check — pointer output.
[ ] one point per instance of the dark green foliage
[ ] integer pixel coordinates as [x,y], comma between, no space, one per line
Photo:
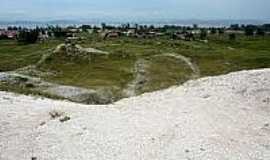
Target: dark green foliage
[266,27]
[3,37]
[249,31]
[260,32]
[203,34]
[85,27]
[235,27]
[58,32]
[232,37]
[103,26]
[28,36]
[213,30]
[221,31]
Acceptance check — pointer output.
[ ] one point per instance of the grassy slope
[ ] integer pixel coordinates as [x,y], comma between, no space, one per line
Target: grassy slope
[116,71]
[14,56]
[165,72]
[219,56]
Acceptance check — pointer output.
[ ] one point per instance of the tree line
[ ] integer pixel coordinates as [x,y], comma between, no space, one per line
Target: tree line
[31,35]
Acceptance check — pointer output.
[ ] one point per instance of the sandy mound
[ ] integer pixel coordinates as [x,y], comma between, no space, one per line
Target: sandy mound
[225,117]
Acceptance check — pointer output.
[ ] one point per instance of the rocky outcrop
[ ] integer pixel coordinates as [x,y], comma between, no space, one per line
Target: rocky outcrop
[36,85]
[75,50]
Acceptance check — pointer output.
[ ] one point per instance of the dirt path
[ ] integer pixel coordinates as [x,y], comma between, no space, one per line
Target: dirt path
[140,73]
[192,66]
[140,78]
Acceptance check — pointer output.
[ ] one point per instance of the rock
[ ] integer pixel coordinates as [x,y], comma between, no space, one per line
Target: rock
[75,50]
[64,119]
[55,114]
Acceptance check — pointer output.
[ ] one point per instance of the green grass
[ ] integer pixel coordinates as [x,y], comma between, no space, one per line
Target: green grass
[14,55]
[102,72]
[219,56]
[164,72]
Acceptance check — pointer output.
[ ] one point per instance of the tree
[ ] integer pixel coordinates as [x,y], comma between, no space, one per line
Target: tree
[136,28]
[249,31]
[86,27]
[235,27]
[266,27]
[151,27]
[260,32]
[103,26]
[59,32]
[221,31]
[203,34]
[213,30]
[195,26]
[28,36]
[2,36]
[232,37]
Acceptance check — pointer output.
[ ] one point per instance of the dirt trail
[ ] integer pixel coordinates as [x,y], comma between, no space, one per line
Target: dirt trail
[193,67]
[140,73]
[139,80]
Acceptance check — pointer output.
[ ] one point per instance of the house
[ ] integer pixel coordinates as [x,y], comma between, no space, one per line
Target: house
[111,34]
[74,40]
[234,32]
[197,31]
[42,36]
[187,36]
[8,34]
[130,33]
[12,34]
[1,31]
[72,32]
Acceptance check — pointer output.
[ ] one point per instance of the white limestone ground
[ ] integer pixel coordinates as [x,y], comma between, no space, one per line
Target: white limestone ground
[225,117]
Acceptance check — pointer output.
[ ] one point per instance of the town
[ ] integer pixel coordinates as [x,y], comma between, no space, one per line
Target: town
[187,33]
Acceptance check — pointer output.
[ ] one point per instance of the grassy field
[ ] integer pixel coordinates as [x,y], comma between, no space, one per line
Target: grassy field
[115,72]
[14,55]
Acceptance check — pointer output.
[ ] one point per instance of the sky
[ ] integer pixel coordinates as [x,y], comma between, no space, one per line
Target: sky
[133,10]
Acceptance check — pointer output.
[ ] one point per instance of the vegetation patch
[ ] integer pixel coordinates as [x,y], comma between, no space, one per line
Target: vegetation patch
[115,75]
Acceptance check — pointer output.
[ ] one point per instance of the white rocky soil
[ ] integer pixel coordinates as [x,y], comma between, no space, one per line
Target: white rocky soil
[225,117]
